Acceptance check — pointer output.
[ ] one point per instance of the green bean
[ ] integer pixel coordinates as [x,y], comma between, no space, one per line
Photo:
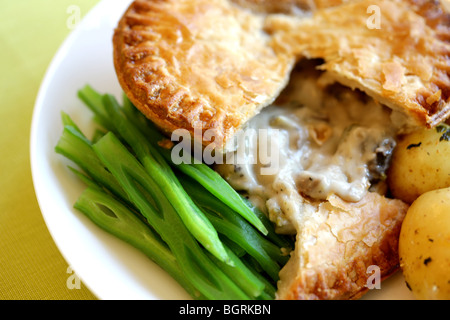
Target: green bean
[118,220]
[75,146]
[162,173]
[152,203]
[245,278]
[237,229]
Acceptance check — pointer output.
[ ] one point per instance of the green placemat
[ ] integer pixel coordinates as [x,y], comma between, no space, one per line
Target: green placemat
[31,267]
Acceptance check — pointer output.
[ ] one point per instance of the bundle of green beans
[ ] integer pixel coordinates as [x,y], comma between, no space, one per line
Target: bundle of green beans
[184,217]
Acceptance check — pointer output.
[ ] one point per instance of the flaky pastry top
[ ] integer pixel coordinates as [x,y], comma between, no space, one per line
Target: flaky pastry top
[197,64]
[214,64]
[395,51]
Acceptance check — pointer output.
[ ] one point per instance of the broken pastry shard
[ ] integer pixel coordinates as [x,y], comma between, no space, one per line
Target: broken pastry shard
[401,60]
[337,242]
[215,64]
[198,64]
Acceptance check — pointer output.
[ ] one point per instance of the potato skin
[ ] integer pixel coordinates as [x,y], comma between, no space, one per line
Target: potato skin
[420,163]
[424,245]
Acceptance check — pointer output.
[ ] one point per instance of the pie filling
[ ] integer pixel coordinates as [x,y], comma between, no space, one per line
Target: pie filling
[317,139]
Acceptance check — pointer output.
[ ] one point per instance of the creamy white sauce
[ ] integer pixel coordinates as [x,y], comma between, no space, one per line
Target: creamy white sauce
[327,142]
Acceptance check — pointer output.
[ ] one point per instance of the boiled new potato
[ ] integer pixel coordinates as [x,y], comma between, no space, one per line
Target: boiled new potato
[424,245]
[420,163]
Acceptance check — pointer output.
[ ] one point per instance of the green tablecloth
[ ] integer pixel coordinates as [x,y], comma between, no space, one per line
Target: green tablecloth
[31,267]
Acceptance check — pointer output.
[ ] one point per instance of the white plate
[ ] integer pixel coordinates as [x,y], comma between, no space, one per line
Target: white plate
[110,268]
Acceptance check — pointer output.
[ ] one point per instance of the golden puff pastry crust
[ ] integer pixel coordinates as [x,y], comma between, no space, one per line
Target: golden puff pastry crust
[292,7]
[340,245]
[394,50]
[197,65]
[213,65]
